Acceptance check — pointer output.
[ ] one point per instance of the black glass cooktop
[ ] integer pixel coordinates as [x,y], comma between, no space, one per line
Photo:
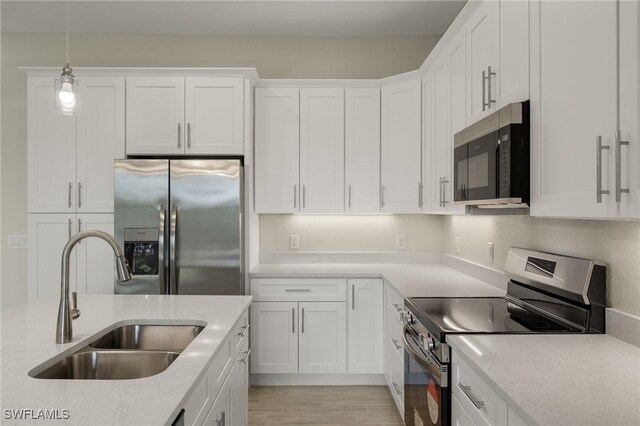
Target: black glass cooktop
[479,315]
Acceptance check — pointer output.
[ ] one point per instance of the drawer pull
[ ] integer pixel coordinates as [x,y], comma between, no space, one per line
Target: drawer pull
[245,330]
[395,387]
[396,344]
[467,391]
[298,290]
[397,307]
[246,357]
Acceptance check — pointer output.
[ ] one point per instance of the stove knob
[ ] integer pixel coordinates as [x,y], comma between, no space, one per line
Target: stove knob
[431,344]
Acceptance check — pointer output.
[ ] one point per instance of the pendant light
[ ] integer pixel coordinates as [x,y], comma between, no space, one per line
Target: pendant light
[66,87]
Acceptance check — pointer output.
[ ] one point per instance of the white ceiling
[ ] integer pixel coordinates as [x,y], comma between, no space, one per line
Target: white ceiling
[234,18]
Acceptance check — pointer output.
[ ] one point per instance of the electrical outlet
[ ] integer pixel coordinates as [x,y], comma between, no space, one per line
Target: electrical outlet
[490,251]
[294,241]
[401,241]
[457,245]
[17,241]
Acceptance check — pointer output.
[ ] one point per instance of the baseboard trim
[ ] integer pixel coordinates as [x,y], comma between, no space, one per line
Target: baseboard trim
[297,379]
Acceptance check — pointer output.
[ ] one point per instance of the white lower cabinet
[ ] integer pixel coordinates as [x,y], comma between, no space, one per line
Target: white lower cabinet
[221,396]
[274,340]
[393,346]
[474,402]
[365,324]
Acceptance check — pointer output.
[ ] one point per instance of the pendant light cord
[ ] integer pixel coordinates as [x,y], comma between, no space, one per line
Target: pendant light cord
[67,42]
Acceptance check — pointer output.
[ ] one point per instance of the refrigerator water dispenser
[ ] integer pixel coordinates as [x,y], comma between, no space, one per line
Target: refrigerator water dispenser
[141,250]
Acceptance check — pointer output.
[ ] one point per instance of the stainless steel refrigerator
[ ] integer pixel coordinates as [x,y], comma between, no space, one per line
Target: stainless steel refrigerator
[180,223]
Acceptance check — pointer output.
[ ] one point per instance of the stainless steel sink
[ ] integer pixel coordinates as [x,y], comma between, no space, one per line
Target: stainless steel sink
[149,337]
[128,352]
[109,365]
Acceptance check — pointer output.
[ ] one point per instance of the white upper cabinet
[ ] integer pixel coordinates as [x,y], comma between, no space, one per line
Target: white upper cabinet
[214,114]
[177,115]
[401,148]
[428,164]
[514,52]
[100,141]
[155,115]
[573,108]
[483,37]
[362,150]
[322,150]
[70,159]
[277,145]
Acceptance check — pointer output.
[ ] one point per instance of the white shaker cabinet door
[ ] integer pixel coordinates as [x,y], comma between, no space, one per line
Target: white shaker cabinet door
[441,182]
[401,148]
[274,337]
[240,396]
[96,262]
[365,322]
[155,115]
[48,234]
[214,114]
[429,174]
[277,149]
[573,106]
[322,150]
[221,410]
[51,151]
[514,52]
[323,337]
[100,141]
[483,40]
[362,150]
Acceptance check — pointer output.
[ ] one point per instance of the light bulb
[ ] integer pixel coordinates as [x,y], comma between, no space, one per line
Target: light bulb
[67,98]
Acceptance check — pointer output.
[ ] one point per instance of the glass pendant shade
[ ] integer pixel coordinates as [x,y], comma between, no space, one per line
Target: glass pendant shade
[67,92]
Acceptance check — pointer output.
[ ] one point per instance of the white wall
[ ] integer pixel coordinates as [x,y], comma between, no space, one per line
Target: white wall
[614,242]
[274,57]
[350,233]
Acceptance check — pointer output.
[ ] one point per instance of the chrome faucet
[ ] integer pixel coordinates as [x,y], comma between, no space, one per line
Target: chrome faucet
[64,332]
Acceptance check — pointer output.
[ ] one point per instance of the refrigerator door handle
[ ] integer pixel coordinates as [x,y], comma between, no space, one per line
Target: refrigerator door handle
[161,249]
[173,230]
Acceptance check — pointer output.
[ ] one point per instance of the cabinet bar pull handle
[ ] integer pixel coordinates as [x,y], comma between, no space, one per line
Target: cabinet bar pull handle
[70,228]
[484,90]
[245,330]
[189,135]
[349,196]
[396,344]
[79,194]
[420,194]
[246,357]
[179,135]
[441,191]
[302,329]
[444,191]
[304,196]
[293,320]
[467,391]
[69,188]
[619,143]
[490,101]
[295,196]
[395,388]
[222,420]
[299,290]
[80,229]
[381,195]
[353,296]
[599,190]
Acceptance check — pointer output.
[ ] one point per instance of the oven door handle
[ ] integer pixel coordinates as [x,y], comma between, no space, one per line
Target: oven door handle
[432,366]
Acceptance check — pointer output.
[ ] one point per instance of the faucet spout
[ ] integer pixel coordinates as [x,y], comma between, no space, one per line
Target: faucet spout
[66,315]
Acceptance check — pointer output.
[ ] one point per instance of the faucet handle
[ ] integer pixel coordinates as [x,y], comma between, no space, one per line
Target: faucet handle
[75,312]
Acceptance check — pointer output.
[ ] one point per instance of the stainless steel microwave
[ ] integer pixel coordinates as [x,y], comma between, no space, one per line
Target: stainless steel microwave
[491,160]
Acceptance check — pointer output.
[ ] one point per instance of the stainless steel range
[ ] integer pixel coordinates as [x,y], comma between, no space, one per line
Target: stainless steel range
[546,293]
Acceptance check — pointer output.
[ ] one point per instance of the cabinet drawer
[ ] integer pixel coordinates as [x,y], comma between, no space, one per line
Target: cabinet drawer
[491,409]
[393,335]
[221,366]
[394,301]
[395,372]
[241,332]
[299,289]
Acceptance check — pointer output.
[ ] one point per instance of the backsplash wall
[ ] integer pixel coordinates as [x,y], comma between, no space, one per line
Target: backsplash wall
[616,243]
[350,233]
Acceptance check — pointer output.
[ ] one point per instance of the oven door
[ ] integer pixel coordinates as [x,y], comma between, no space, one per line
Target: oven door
[426,385]
[476,169]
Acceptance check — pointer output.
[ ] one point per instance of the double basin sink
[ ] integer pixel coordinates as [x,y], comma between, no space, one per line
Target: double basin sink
[127,352]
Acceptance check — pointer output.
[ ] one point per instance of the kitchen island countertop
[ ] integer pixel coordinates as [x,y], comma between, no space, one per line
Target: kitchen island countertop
[28,340]
[559,379]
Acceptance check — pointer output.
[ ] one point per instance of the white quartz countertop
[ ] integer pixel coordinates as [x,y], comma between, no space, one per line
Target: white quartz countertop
[28,339]
[559,379]
[411,280]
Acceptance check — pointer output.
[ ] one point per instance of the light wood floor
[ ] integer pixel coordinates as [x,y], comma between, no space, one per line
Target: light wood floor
[322,405]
